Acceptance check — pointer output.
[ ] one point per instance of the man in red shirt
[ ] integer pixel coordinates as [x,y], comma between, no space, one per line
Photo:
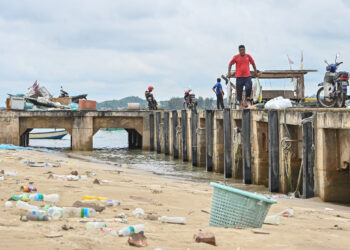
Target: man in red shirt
[243,78]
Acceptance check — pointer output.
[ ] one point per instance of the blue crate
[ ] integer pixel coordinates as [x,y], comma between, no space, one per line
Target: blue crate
[233,207]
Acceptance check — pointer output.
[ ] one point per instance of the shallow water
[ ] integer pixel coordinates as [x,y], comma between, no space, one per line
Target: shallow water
[112,146]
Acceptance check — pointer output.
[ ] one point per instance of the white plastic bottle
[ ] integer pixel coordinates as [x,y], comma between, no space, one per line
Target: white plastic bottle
[51,198]
[127,231]
[273,220]
[26,206]
[79,212]
[174,220]
[94,225]
[55,213]
[112,203]
[9,173]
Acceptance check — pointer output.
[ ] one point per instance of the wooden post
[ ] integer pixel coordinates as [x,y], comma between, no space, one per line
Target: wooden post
[246,147]
[209,115]
[166,133]
[194,126]
[308,157]
[158,132]
[274,145]
[151,131]
[174,131]
[227,144]
[184,135]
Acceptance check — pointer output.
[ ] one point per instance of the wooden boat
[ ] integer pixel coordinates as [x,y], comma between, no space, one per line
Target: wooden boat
[57,134]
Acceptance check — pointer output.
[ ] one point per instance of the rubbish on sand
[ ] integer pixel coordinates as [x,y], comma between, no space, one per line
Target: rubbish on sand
[111,230]
[13,147]
[205,211]
[127,231]
[37,217]
[272,220]
[96,181]
[28,189]
[260,232]
[56,213]
[229,207]
[53,235]
[138,213]
[88,197]
[74,172]
[138,240]
[8,204]
[122,215]
[151,217]
[95,206]
[69,177]
[286,213]
[112,203]
[8,173]
[328,209]
[173,220]
[23,205]
[278,103]
[208,238]
[2,178]
[95,225]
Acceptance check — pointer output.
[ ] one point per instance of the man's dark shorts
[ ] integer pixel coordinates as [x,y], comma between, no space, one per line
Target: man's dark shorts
[243,82]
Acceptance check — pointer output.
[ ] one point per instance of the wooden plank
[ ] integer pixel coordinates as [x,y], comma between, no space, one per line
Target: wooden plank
[270,94]
[166,133]
[209,120]
[184,135]
[246,147]
[227,144]
[174,133]
[274,145]
[151,131]
[308,157]
[158,132]
[194,126]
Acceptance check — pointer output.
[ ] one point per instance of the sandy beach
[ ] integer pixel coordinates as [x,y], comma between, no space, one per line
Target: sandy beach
[315,224]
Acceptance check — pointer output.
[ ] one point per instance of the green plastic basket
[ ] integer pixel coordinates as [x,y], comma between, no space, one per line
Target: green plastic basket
[233,207]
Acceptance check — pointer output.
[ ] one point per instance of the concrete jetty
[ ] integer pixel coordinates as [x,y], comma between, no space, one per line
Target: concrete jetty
[264,147]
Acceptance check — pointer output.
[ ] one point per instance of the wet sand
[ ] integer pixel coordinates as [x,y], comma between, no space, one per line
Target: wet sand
[315,225]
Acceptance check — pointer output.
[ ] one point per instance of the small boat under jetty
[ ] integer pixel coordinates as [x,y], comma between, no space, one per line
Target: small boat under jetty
[56,134]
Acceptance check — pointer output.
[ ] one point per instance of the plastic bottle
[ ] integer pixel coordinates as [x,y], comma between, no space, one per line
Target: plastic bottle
[28,189]
[88,197]
[36,197]
[37,217]
[55,213]
[9,173]
[111,230]
[51,197]
[78,212]
[138,213]
[174,220]
[112,203]
[273,220]
[94,225]
[38,212]
[22,197]
[2,178]
[26,206]
[127,231]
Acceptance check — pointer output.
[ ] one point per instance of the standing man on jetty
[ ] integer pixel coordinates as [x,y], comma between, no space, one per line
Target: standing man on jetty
[219,94]
[243,77]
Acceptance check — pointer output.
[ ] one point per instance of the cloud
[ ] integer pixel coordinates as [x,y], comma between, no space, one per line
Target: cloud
[113,49]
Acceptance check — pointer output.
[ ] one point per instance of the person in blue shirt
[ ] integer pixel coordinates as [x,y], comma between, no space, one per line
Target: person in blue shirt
[219,94]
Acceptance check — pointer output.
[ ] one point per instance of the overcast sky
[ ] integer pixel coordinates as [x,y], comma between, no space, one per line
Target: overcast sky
[112,49]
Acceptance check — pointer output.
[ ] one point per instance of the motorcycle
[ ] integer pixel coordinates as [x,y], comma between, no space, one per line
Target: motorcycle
[190,100]
[333,91]
[152,103]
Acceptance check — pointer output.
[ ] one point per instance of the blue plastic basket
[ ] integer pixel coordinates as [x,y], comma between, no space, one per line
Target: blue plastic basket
[233,207]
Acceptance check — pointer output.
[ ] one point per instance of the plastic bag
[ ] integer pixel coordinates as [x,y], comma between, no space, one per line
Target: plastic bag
[278,103]
[257,91]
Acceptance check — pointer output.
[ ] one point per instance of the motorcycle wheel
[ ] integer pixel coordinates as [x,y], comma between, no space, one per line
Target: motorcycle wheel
[322,101]
[341,100]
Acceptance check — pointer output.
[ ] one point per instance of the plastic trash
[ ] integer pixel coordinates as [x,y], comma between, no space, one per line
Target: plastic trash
[111,230]
[286,213]
[278,103]
[51,198]
[37,212]
[88,197]
[8,173]
[57,212]
[37,217]
[22,197]
[138,213]
[273,220]
[174,220]
[208,238]
[28,189]
[23,205]
[8,204]
[2,178]
[95,225]
[138,240]
[127,231]
[112,203]
[71,177]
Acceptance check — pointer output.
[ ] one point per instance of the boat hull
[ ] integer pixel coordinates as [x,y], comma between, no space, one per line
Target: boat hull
[48,135]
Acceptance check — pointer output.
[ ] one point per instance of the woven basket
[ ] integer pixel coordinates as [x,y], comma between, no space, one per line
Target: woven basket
[233,207]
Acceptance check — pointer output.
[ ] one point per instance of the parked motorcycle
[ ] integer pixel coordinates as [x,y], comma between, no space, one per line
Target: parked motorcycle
[333,91]
[190,100]
[152,103]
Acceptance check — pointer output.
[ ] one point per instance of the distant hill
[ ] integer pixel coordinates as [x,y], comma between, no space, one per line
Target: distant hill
[173,103]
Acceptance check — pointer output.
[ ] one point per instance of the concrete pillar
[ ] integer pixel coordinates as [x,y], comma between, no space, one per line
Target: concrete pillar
[184,135]
[175,134]
[158,118]
[151,131]
[227,144]
[274,145]
[82,133]
[246,147]
[166,133]
[308,157]
[218,142]
[209,120]
[134,139]
[146,132]
[9,129]
[237,146]
[201,142]
[194,139]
